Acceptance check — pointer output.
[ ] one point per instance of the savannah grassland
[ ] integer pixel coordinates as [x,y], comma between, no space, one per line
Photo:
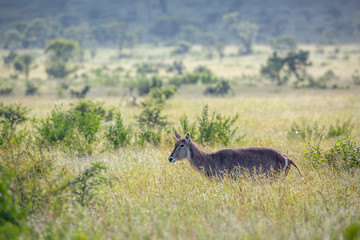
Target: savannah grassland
[143,196]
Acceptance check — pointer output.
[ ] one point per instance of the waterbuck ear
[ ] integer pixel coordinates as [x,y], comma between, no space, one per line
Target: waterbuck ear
[177,136]
[187,137]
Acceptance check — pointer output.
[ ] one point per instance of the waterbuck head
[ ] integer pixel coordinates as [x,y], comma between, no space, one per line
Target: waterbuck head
[181,149]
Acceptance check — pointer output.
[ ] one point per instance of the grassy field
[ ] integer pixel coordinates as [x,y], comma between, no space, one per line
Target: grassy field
[140,195]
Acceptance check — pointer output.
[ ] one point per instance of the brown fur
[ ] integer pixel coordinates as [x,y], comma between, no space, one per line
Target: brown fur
[231,161]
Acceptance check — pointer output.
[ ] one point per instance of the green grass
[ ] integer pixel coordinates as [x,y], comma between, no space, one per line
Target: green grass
[143,196]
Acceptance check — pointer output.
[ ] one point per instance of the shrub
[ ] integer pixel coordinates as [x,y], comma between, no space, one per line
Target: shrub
[151,116]
[344,154]
[14,114]
[85,184]
[182,47]
[306,131]
[12,217]
[145,68]
[150,135]
[144,85]
[85,117]
[340,129]
[80,94]
[57,126]
[222,88]
[31,88]
[215,128]
[119,134]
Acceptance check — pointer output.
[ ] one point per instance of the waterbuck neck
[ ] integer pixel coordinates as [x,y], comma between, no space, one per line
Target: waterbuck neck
[199,159]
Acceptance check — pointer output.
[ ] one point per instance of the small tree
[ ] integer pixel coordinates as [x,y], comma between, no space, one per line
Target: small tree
[23,63]
[13,39]
[60,52]
[283,44]
[245,33]
[292,64]
[8,60]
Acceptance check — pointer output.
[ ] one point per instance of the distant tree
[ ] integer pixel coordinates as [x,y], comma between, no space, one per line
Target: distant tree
[109,34]
[36,33]
[220,49]
[24,63]
[208,42]
[20,26]
[283,44]
[272,69]
[294,63]
[166,27]
[13,39]
[81,34]
[60,52]
[9,58]
[230,20]
[190,33]
[245,33]
[182,47]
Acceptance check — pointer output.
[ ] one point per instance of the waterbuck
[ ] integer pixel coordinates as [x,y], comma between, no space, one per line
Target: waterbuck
[231,161]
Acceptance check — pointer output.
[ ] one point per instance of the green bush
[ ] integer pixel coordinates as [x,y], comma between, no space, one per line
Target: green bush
[215,128]
[222,88]
[85,117]
[182,47]
[144,85]
[340,129]
[145,68]
[14,114]
[306,131]
[12,216]
[344,154]
[150,135]
[57,126]
[84,185]
[119,134]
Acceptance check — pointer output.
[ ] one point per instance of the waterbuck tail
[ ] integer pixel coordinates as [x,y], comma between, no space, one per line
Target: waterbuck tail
[291,162]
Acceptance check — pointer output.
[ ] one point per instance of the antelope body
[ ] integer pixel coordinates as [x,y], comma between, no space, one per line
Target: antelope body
[231,161]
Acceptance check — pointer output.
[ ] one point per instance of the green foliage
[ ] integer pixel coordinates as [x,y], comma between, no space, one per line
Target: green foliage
[81,93]
[340,129]
[186,127]
[13,39]
[23,62]
[306,131]
[119,134]
[283,44]
[182,47]
[150,115]
[190,33]
[215,128]
[85,117]
[292,64]
[344,154]
[57,126]
[13,114]
[221,88]
[144,85]
[31,88]
[60,52]
[148,134]
[201,74]
[8,60]
[85,185]
[145,68]
[352,232]
[12,216]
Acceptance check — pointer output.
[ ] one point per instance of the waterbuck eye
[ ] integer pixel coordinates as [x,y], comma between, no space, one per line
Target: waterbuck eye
[182,145]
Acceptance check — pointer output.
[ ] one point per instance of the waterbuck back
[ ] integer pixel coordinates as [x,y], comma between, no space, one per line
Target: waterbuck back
[231,161]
